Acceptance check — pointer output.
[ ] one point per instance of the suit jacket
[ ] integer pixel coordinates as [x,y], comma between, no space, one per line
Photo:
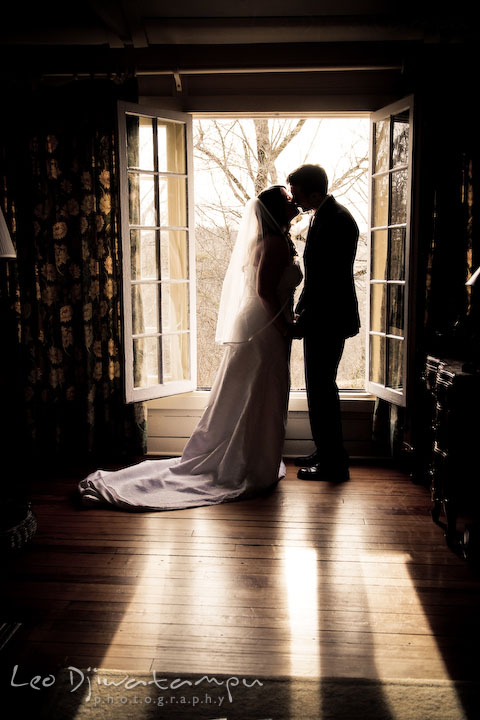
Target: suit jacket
[328,304]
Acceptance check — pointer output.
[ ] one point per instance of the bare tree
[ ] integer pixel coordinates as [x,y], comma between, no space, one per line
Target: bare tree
[246,160]
[241,158]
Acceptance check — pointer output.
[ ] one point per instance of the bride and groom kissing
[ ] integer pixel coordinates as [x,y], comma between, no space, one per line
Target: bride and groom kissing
[236,449]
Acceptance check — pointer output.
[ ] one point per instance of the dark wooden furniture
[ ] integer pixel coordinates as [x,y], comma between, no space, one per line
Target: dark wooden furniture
[454,462]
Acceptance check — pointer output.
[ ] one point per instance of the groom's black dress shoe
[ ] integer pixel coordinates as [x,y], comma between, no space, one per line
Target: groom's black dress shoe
[316,472]
[308,460]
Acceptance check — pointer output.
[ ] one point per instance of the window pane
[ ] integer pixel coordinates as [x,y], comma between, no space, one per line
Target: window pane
[174,254]
[173,202]
[400,139]
[144,254]
[380,201]
[377,307]
[395,309]
[377,359]
[399,196]
[379,250]
[397,254]
[141,192]
[171,146]
[140,142]
[145,308]
[176,357]
[395,364]
[174,307]
[145,361]
[382,145]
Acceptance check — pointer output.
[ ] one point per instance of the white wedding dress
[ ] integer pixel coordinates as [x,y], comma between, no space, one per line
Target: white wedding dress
[236,449]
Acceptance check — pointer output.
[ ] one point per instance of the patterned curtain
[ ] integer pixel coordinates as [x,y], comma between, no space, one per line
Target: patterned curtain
[61,199]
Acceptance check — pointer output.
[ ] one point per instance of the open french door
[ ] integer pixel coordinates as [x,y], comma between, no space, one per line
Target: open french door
[157,226]
[390,257]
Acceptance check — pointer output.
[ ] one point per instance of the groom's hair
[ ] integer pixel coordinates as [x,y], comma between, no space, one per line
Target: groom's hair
[310,178]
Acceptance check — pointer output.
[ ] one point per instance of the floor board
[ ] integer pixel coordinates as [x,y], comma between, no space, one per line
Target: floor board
[312,580]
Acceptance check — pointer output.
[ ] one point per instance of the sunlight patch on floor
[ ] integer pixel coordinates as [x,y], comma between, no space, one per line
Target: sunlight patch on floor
[301,584]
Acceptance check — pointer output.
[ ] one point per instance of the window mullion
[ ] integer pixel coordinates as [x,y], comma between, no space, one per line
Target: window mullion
[158,249]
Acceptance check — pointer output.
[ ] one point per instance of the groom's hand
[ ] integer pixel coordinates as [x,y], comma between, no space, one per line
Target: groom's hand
[295,331]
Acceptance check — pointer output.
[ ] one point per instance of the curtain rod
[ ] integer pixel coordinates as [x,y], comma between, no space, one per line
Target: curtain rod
[246,71]
[233,71]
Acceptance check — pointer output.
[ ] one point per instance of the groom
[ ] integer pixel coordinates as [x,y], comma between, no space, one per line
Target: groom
[327,314]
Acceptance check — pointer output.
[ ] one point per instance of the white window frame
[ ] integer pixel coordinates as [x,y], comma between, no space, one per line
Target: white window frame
[392,395]
[190,402]
[132,393]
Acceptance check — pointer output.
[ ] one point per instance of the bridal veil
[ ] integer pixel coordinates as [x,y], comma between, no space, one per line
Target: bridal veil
[242,314]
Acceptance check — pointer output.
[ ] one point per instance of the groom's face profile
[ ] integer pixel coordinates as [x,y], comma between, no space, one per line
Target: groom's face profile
[306,202]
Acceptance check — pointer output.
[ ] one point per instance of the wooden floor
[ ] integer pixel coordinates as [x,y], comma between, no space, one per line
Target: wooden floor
[313,580]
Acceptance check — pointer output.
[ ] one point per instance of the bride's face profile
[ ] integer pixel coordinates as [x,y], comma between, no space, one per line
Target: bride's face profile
[291,210]
[279,204]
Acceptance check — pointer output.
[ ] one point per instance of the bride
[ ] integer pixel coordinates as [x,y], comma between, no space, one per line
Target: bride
[236,448]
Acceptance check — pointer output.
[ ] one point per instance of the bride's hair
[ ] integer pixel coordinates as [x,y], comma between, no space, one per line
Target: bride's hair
[274,200]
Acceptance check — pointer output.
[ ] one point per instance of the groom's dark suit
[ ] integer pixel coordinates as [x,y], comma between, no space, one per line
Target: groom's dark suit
[328,313]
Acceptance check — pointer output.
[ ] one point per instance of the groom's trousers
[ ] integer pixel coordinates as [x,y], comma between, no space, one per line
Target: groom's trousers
[322,356]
